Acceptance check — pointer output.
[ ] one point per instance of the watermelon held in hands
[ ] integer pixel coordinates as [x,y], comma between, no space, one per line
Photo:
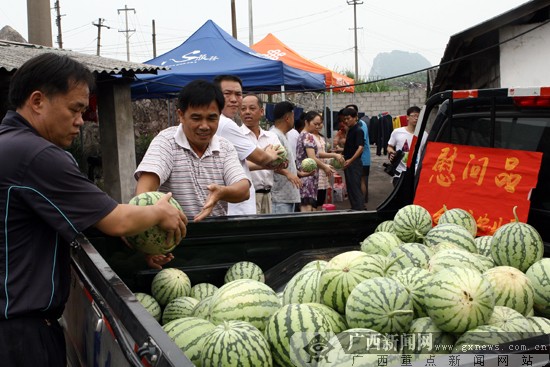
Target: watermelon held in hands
[336,163]
[282,154]
[309,165]
[152,241]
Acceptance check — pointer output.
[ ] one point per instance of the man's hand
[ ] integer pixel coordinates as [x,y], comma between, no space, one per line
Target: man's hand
[173,221]
[213,197]
[294,180]
[157,261]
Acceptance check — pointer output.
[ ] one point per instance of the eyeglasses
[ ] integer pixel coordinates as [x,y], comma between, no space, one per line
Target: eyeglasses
[414,116]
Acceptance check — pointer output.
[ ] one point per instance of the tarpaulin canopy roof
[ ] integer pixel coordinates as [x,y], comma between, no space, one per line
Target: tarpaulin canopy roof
[211,51]
[273,48]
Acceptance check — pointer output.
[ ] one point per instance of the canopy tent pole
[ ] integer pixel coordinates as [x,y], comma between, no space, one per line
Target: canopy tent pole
[283,96]
[331,122]
[325,119]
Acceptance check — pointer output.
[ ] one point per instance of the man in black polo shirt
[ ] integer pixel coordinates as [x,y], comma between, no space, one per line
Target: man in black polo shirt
[353,167]
[45,202]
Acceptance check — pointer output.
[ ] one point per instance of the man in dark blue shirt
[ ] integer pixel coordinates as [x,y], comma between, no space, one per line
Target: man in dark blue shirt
[45,202]
[353,167]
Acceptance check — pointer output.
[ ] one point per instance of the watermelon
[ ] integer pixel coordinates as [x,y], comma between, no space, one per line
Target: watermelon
[539,275]
[246,300]
[477,339]
[411,223]
[236,343]
[540,325]
[336,163]
[294,332]
[409,255]
[202,309]
[282,154]
[168,284]
[244,270]
[512,288]
[178,308]
[309,165]
[516,244]
[483,245]
[385,226]
[422,327]
[315,263]
[447,246]
[415,281]
[459,299]
[459,258]
[342,273]
[453,233]
[337,321]
[303,287]
[150,304]
[188,333]
[461,217]
[153,240]
[380,304]
[202,290]
[380,243]
[512,322]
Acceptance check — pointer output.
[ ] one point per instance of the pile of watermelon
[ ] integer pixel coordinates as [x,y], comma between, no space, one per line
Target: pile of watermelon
[409,278]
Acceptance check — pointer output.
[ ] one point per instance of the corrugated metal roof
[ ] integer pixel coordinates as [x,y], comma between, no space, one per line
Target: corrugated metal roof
[13,55]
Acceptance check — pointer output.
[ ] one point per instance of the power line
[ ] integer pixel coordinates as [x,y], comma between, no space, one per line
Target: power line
[126,30]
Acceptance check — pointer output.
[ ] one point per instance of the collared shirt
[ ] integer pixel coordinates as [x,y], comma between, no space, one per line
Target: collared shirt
[262,179]
[229,130]
[186,175]
[283,191]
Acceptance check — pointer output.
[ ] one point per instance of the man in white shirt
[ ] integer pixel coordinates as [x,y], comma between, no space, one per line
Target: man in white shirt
[252,112]
[232,89]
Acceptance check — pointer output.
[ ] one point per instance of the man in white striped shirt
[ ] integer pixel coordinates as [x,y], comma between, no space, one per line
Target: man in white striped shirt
[201,169]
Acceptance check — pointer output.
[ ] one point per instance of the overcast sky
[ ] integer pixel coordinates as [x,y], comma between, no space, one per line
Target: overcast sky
[321,30]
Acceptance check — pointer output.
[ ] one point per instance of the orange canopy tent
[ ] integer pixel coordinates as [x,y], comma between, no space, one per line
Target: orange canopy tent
[273,48]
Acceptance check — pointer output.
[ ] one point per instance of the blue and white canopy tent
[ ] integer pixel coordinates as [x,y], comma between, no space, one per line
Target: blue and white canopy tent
[211,51]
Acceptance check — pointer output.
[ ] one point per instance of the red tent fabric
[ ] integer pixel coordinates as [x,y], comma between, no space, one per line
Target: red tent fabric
[273,48]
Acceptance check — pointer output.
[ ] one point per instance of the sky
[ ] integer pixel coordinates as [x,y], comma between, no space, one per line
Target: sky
[320,30]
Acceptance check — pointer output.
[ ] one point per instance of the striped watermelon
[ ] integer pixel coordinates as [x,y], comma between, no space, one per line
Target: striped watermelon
[453,233]
[530,313]
[511,321]
[460,217]
[486,262]
[178,308]
[483,245]
[316,264]
[477,339]
[246,300]
[337,321]
[153,240]
[303,287]
[415,281]
[150,304]
[409,255]
[202,290]
[421,328]
[459,299]
[236,343]
[539,275]
[188,333]
[170,283]
[456,258]
[380,243]
[446,246]
[540,325]
[342,273]
[294,332]
[517,244]
[512,288]
[381,304]
[202,309]
[244,270]
[411,223]
[385,226]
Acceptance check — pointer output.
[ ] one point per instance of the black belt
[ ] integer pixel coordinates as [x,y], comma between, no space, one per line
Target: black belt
[263,191]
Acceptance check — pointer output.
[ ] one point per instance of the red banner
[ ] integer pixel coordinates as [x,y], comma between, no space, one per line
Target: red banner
[487,182]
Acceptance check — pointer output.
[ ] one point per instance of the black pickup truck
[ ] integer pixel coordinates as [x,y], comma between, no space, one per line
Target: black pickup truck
[106,326]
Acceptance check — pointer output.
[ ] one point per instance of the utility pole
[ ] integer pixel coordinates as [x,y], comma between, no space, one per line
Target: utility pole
[154,40]
[99,24]
[233,19]
[58,23]
[355,3]
[127,31]
[250,25]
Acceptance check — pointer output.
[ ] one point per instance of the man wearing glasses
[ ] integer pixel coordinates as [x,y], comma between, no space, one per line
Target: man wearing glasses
[401,139]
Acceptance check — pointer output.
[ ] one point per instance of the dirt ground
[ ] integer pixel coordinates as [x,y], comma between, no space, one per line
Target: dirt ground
[380,185]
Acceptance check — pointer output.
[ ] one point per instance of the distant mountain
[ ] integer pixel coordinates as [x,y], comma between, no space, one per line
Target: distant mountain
[388,64]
